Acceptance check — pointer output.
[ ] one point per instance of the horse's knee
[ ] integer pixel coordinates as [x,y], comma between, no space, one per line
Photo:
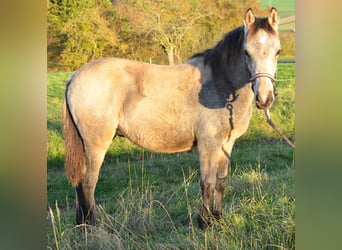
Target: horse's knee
[221,183]
[208,189]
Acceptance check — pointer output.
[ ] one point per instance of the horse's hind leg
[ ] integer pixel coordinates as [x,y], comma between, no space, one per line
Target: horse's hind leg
[85,200]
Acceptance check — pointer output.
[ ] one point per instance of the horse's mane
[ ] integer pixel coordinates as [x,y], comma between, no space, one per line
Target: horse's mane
[224,52]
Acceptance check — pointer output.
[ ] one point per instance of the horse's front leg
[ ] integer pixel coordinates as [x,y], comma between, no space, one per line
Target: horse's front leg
[221,177]
[221,180]
[210,164]
[207,183]
[214,174]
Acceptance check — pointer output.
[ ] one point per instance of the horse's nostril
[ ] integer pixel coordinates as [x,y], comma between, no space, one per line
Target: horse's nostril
[269,100]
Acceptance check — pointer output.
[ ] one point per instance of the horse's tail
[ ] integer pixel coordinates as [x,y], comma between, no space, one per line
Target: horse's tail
[74,163]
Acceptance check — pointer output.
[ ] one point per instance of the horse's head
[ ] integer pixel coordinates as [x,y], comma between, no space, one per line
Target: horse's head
[262,49]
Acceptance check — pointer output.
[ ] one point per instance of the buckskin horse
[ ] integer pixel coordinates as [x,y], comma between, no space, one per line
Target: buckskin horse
[205,102]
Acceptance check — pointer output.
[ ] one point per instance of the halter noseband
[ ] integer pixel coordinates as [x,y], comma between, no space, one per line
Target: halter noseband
[257,75]
[272,78]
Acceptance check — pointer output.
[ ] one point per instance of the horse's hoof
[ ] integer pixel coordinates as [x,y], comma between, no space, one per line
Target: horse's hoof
[87,221]
[202,222]
[217,215]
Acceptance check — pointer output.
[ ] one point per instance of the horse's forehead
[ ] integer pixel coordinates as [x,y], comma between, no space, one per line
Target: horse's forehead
[262,37]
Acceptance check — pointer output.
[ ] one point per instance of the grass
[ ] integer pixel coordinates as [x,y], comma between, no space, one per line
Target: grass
[150,201]
[286,8]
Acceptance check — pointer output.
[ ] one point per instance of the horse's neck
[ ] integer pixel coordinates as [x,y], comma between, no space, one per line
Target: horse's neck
[234,79]
[217,88]
[237,74]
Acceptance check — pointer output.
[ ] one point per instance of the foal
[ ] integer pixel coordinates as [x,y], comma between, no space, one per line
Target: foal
[206,101]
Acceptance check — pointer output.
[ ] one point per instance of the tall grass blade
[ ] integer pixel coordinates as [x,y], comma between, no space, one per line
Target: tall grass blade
[54,228]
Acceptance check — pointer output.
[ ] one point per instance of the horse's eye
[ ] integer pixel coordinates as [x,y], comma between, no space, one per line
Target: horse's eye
[246,54]
[278,52]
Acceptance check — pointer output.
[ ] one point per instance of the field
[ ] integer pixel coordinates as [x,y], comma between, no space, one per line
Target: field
[148,200]
[286,9]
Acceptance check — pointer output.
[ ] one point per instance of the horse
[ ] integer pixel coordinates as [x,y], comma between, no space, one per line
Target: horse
[205,102]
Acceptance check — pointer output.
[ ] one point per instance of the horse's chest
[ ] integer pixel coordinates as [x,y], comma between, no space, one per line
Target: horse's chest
[239,118]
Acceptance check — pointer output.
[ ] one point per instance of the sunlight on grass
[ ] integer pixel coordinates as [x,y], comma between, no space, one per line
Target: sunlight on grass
[258,213]
[148,200]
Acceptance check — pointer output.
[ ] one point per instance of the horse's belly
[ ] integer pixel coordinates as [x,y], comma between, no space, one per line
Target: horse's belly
[159,136]
[160,140]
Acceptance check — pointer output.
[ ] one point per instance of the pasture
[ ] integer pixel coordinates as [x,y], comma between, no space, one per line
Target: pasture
[148,200]
[286,9]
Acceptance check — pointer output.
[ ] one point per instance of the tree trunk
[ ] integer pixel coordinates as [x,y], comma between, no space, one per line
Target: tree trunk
[170,54]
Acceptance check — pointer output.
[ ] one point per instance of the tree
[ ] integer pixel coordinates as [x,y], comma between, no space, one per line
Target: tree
[174,25]
[165,31]
[78,32]
[182,27]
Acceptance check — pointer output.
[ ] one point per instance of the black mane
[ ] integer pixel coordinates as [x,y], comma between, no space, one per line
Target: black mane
[224,52]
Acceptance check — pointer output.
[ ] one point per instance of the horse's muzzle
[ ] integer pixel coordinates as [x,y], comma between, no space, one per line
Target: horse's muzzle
[264,102]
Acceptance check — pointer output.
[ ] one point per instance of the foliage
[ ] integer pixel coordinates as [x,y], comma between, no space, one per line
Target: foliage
[287,40]
[181,28]
[78,32]
[148,200]
[171,24]
[166,32]
[162,32]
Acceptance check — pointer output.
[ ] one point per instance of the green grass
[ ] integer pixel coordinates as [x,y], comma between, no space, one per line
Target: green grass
[150,201]
[286,8]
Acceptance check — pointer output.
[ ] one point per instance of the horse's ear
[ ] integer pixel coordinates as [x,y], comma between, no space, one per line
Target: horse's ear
[273,18]
[249,18]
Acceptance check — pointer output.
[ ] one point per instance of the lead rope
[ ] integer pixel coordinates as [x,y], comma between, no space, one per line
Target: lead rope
[278,130]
